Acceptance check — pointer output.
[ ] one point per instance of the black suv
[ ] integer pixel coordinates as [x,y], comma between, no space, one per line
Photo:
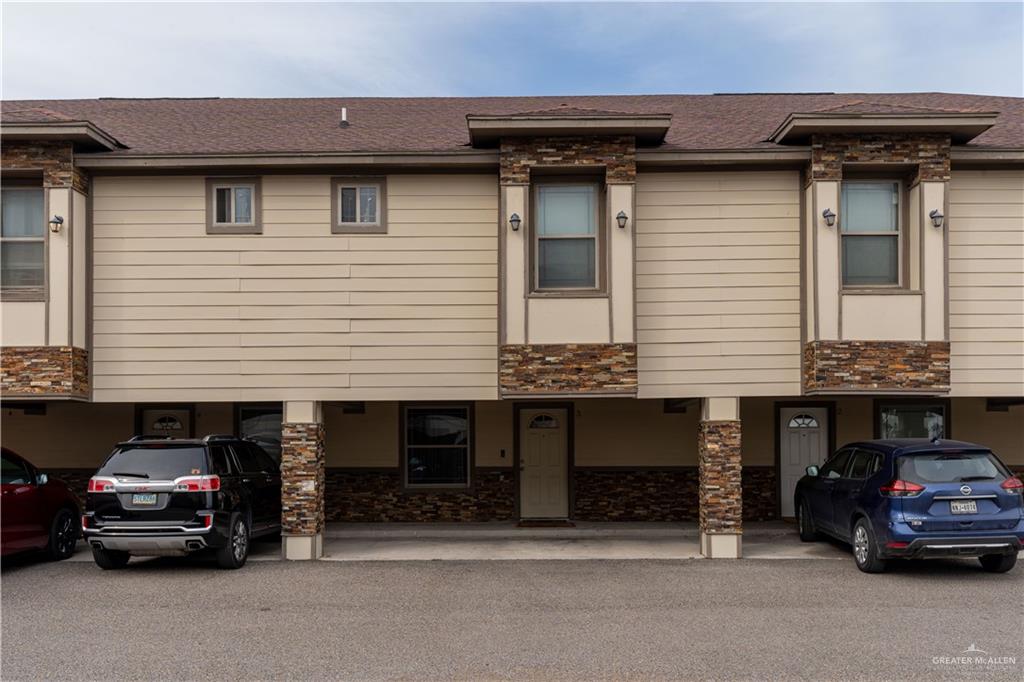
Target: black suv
[164,497]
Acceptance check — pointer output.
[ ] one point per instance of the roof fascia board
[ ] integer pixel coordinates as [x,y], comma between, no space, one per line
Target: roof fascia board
[173,161]
[969,124]
[75,131]
[657,157]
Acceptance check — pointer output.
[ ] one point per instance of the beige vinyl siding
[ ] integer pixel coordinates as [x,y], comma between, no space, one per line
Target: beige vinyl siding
[718,283]
[986,282]
[295,312]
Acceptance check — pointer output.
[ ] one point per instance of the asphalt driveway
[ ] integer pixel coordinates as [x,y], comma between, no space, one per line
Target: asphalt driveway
[180,619]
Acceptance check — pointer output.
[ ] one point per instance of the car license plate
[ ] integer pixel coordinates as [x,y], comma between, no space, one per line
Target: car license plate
[144,498]
[963,507]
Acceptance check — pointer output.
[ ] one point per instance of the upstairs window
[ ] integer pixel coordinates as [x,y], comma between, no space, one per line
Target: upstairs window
[566,245]
[358,206]
[870,234]
[233,206]
[22,241]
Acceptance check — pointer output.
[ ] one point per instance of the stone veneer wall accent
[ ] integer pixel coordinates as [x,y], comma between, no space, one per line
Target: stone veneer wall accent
[568,368]
[302,478]
[616,155]
[54,159]
[760,493]
[635,495]
[367,495]
[670,494]
[44,371]
[876,365]
[720,489]
[929,152]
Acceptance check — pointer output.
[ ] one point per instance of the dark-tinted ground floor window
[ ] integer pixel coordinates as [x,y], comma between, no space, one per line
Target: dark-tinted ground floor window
[436,445]
[262,424]
[912,419]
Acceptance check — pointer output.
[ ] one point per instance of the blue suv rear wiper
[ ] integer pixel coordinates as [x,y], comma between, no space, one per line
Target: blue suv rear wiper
[976,478]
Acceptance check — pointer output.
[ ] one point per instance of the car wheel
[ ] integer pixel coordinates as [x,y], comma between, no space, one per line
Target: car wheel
[110,559]
[805,522]
[865,549]
[998,563]
[63,535]
[236,551]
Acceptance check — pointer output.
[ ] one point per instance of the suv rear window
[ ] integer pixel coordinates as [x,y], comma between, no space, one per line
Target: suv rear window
[157,462]
[951,467]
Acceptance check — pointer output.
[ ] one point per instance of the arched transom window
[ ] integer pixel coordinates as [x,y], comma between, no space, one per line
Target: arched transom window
[803,421]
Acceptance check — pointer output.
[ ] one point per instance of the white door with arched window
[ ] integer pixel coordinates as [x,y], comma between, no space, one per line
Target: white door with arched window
[543,464]
[803,441]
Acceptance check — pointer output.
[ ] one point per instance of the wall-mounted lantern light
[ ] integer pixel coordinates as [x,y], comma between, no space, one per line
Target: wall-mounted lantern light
[937,217]
[55,223]
[621,219]
[515,221]
[830,217]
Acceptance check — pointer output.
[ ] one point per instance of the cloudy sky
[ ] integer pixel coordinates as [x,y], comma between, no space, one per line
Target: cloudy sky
[53,50]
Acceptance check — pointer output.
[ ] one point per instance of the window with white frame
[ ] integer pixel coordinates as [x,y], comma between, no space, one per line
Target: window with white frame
[870,233]
[436,443]
[233,205]
[566,239]
[22,240]
[359,205]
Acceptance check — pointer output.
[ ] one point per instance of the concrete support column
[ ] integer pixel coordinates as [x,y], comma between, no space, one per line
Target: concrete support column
[720,490]
[302,480]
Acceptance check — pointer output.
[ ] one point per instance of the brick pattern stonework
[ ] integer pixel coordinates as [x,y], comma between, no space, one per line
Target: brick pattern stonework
[54,159]
[616,155]
[671,494]
[929,152]
[377,495]
[302,478]
[44,371]
[637,495]
[558,369]
[876,365]
[760,493]
[721,485]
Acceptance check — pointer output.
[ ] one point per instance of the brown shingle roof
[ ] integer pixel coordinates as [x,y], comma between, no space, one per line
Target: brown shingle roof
[235,126]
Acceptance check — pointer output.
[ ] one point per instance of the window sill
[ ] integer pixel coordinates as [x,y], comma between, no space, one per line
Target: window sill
[436,489]
[234,229]
[568,293]
[882,290]
[23,295]
[359,229]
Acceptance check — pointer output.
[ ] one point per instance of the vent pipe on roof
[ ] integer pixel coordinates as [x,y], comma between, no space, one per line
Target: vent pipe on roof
[344,117]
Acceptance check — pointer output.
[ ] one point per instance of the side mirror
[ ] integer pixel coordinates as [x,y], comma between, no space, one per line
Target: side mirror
[42,479]
[812,470]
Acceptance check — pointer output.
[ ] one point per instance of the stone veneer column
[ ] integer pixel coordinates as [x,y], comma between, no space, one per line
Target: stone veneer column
[302,480]
[720,490]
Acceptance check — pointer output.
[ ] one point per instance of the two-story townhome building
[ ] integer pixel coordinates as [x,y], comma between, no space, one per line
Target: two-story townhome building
[625,308]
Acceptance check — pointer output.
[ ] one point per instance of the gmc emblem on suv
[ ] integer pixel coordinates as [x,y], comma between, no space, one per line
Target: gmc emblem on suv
[965,490]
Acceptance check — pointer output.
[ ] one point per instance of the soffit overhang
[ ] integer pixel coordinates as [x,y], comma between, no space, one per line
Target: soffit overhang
[487,130]
[961,127]
[84,135]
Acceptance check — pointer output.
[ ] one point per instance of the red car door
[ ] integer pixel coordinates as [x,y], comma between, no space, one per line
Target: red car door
[21,520]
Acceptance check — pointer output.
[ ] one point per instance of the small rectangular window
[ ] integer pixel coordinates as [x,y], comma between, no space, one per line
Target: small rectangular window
[437,446]
[22,241]
[358,206]
[870,233]
[924,419]
[233,206]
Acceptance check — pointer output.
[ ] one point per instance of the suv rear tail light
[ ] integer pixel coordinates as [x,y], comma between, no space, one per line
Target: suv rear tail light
[1012,483]
[197,484]
[99,484]
[899,488]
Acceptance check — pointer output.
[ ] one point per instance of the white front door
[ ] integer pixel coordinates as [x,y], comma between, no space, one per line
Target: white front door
[803,441]
[543,464]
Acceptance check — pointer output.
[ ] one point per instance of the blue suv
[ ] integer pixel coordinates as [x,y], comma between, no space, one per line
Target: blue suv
[915,498]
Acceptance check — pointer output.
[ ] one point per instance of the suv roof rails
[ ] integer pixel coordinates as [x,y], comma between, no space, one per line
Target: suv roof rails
[219,436]
[149,437]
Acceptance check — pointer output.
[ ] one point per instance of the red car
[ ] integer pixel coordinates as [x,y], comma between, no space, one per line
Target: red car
[36,512]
